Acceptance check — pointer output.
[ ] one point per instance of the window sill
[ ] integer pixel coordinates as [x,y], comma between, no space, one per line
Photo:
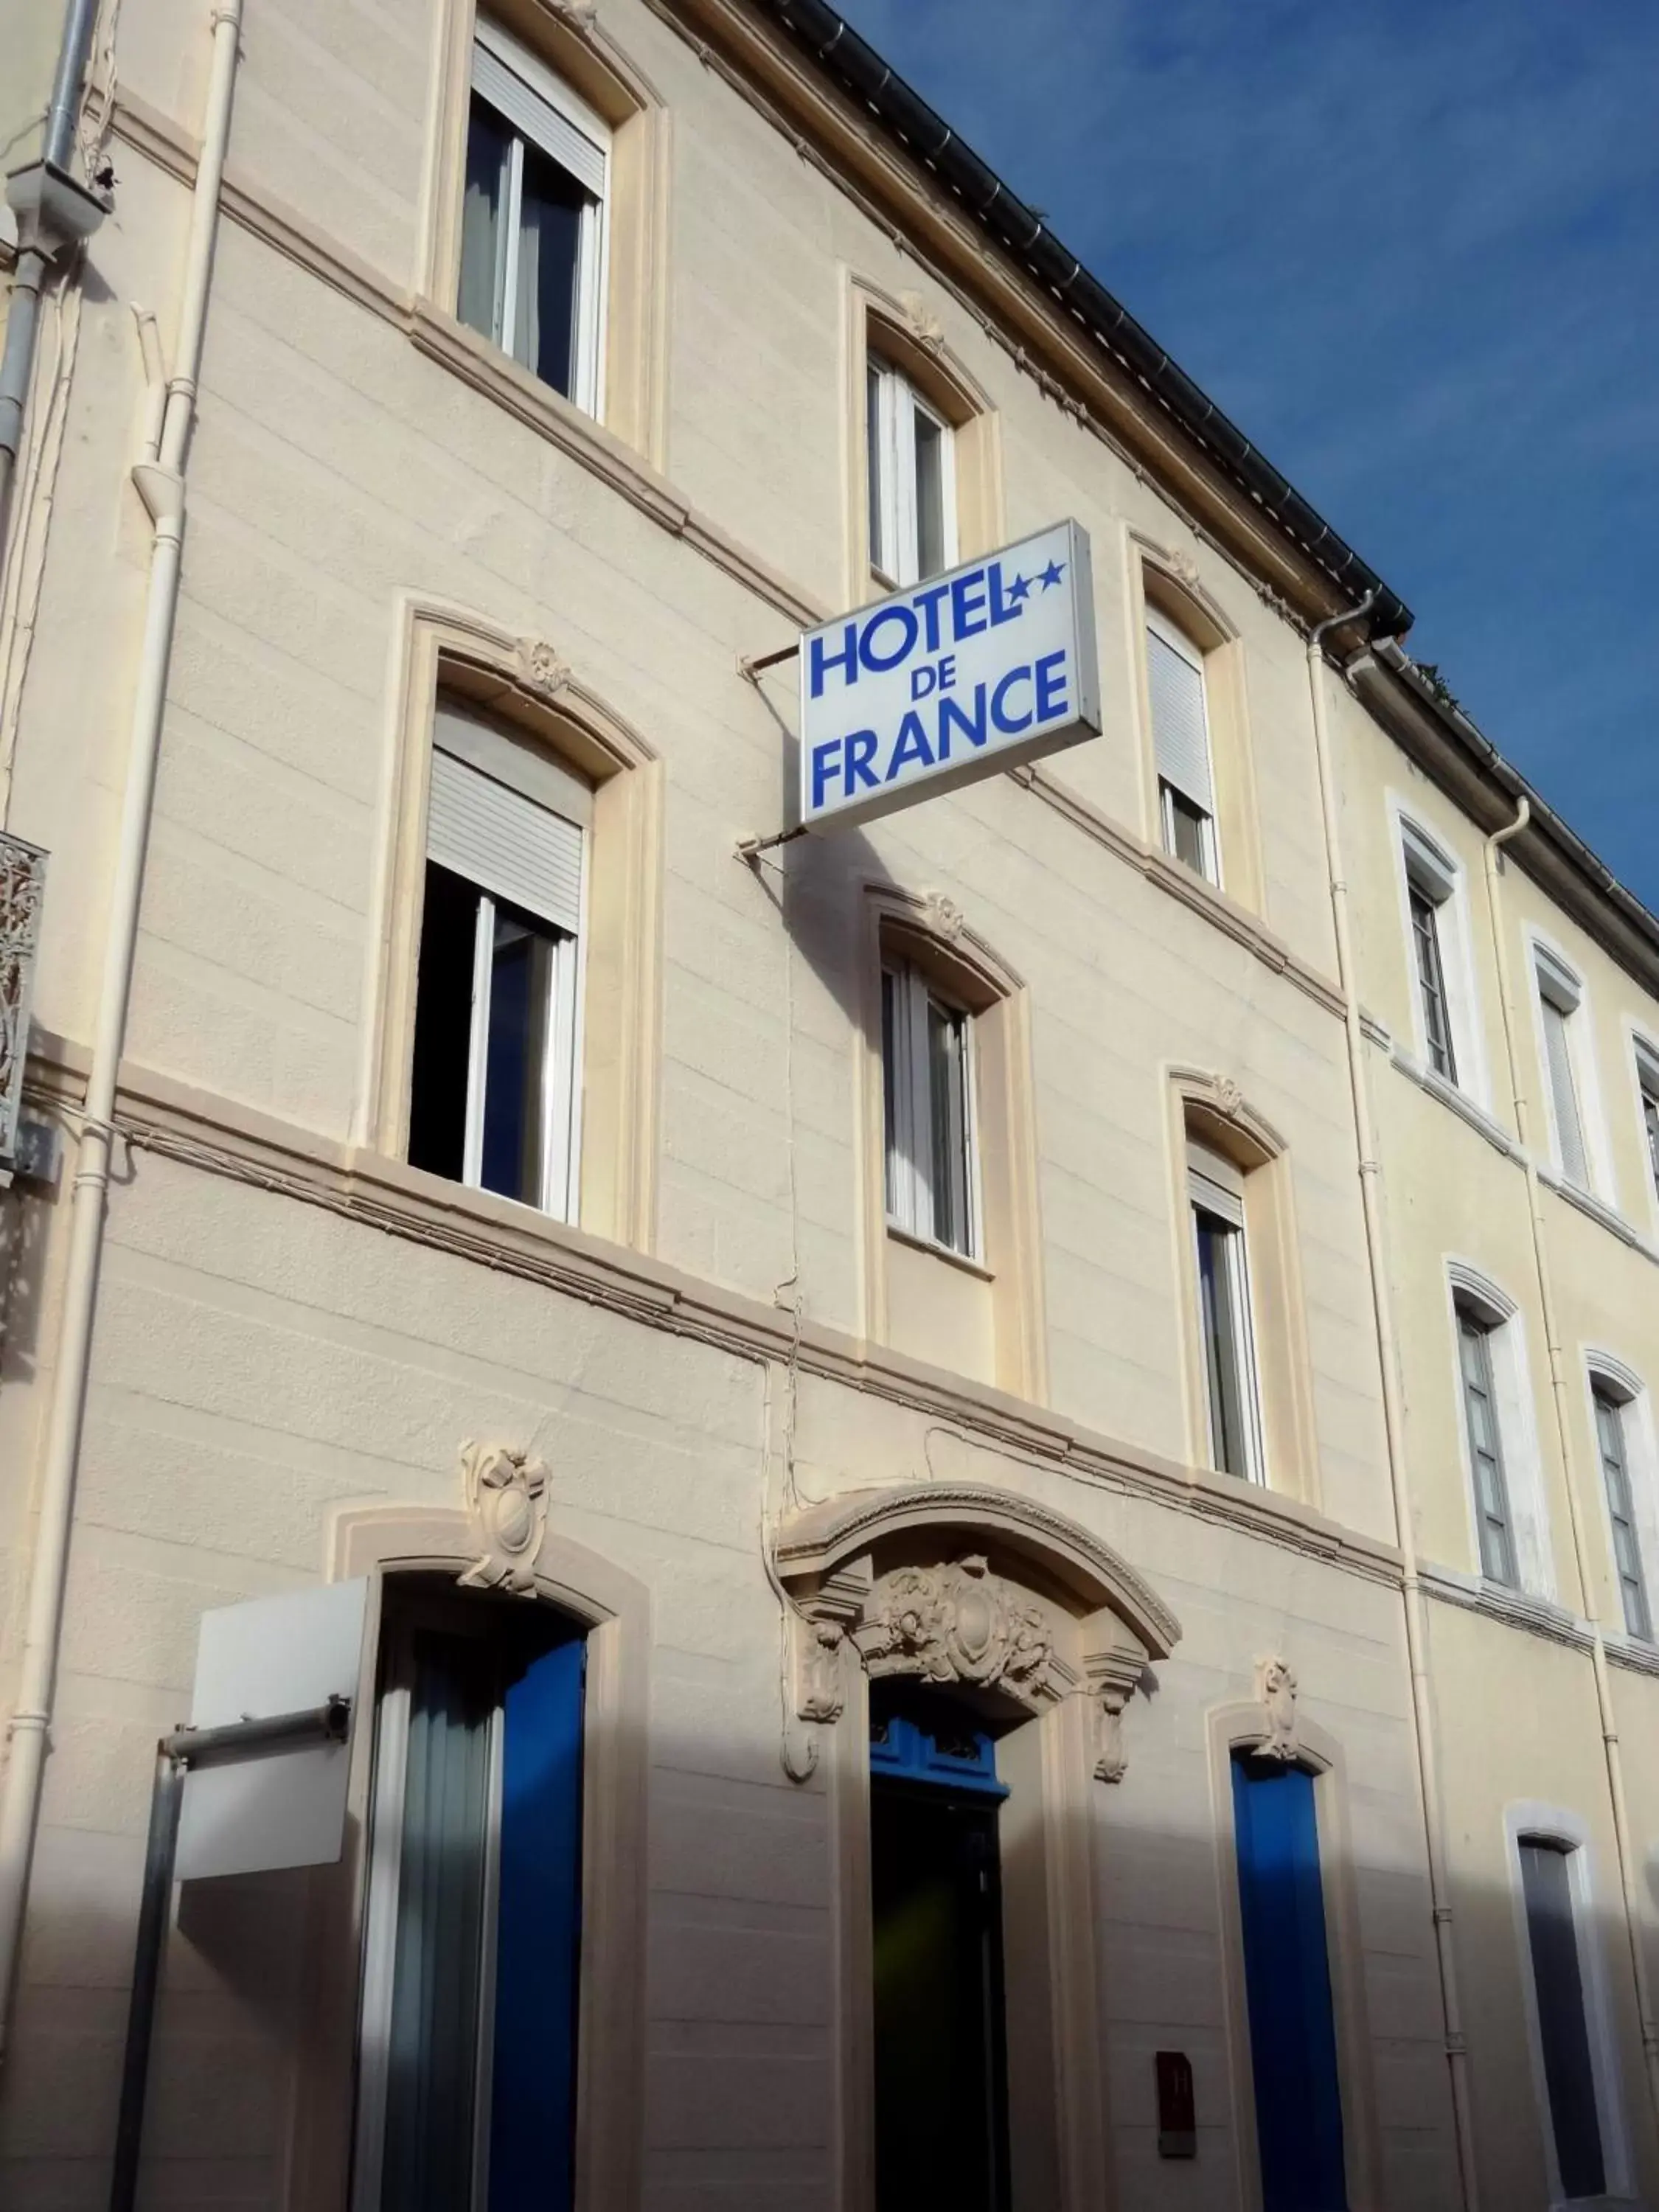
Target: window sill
[1518,1609]
[1587,1203]
[1461,1103]
[487,369]
[961,1259]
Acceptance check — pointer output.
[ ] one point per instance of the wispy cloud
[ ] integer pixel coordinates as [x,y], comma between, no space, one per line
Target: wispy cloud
[1415,253]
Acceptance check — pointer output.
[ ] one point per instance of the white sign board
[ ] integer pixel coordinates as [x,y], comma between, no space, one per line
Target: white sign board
[953,679]
[254,1662]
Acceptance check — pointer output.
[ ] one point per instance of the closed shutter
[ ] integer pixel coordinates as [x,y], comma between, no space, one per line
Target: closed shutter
[1180,736]
[541,122]
[504,842]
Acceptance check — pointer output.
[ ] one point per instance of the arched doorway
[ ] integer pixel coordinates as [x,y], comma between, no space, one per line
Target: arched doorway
[968,1654]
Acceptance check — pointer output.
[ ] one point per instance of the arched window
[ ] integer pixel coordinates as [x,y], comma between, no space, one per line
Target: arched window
[1181,745]
[1499,1435]
[1622,1419]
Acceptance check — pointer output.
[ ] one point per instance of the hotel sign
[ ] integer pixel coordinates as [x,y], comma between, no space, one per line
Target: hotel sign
[953,679]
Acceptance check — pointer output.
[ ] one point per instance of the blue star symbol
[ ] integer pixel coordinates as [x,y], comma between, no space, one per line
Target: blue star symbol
[1052,574]
[1018,590]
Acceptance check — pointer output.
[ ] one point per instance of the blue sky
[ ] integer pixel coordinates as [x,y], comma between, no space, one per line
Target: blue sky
[1414,252]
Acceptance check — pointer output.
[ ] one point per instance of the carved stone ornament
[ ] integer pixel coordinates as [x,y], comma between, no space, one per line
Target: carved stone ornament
[22,880]
[959,1624]
[580,15]
[1228,1097]
[924,325]
[1113,1677]
[540,668]
[945,918]
[1185,568]
[818,1629]
[506,1500]
[1275,1692]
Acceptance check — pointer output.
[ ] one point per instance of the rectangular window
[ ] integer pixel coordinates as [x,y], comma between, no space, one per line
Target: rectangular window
[493,1090]
[1559,999]
[927,1094]
[1216,1194]
[532,218]
[1621,1511]
[910,463]
[1432,979]
[1647,1082]
[1287,1986]
[1492,1500]
[1181,746]
[1563,2029]
[466,2073]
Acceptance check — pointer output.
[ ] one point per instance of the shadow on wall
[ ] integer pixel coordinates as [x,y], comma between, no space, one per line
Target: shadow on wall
[740,2011]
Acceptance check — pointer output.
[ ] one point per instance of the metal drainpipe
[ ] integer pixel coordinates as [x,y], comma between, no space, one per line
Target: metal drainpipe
[34,254]
[1393,1425]
[158,478]
[1588,1599]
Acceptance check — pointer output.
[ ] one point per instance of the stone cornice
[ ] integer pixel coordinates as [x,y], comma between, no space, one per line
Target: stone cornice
[220,1137]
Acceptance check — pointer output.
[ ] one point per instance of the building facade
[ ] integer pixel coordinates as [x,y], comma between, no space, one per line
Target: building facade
[1002,1463]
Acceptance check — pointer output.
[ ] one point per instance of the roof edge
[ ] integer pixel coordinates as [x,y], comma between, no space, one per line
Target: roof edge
[841,54]
[1451,746]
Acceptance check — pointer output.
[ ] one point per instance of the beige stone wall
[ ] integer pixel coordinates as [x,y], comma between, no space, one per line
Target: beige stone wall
[291,1328]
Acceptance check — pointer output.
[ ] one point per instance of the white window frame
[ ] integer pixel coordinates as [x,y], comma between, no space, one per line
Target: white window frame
[891,495]
[1604,1371]
[487,750]
[1216,1187]
[558,1070]
[1170,633]
[1558,1824]
[593,255]
[1424,858]
[1517,1427]
[907,1190]
[1643,1064]
[1554,976]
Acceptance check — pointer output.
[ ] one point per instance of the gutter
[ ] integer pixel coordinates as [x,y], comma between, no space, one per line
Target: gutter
[1387,680]
[55,212]
[880,92]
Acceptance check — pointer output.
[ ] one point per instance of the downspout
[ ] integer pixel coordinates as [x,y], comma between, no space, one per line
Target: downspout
[1393,1425]
[1589,1602]
[52,211]
[158,478]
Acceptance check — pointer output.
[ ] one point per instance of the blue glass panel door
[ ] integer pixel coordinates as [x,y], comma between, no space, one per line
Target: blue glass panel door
[534,2060]
[1298,2105]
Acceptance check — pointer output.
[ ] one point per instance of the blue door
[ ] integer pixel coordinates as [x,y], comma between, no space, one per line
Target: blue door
[1298,2104]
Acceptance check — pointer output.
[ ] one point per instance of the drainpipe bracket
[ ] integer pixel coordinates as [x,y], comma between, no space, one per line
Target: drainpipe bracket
[162,491]
[54,211]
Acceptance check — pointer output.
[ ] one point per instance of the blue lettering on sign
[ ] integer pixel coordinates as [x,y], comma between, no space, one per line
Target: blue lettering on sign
[1050,686]
[877,662]
[860,752]
[912,745]
[822,662]
[966,601]
[951,711]
[1033,694]
[934,616]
